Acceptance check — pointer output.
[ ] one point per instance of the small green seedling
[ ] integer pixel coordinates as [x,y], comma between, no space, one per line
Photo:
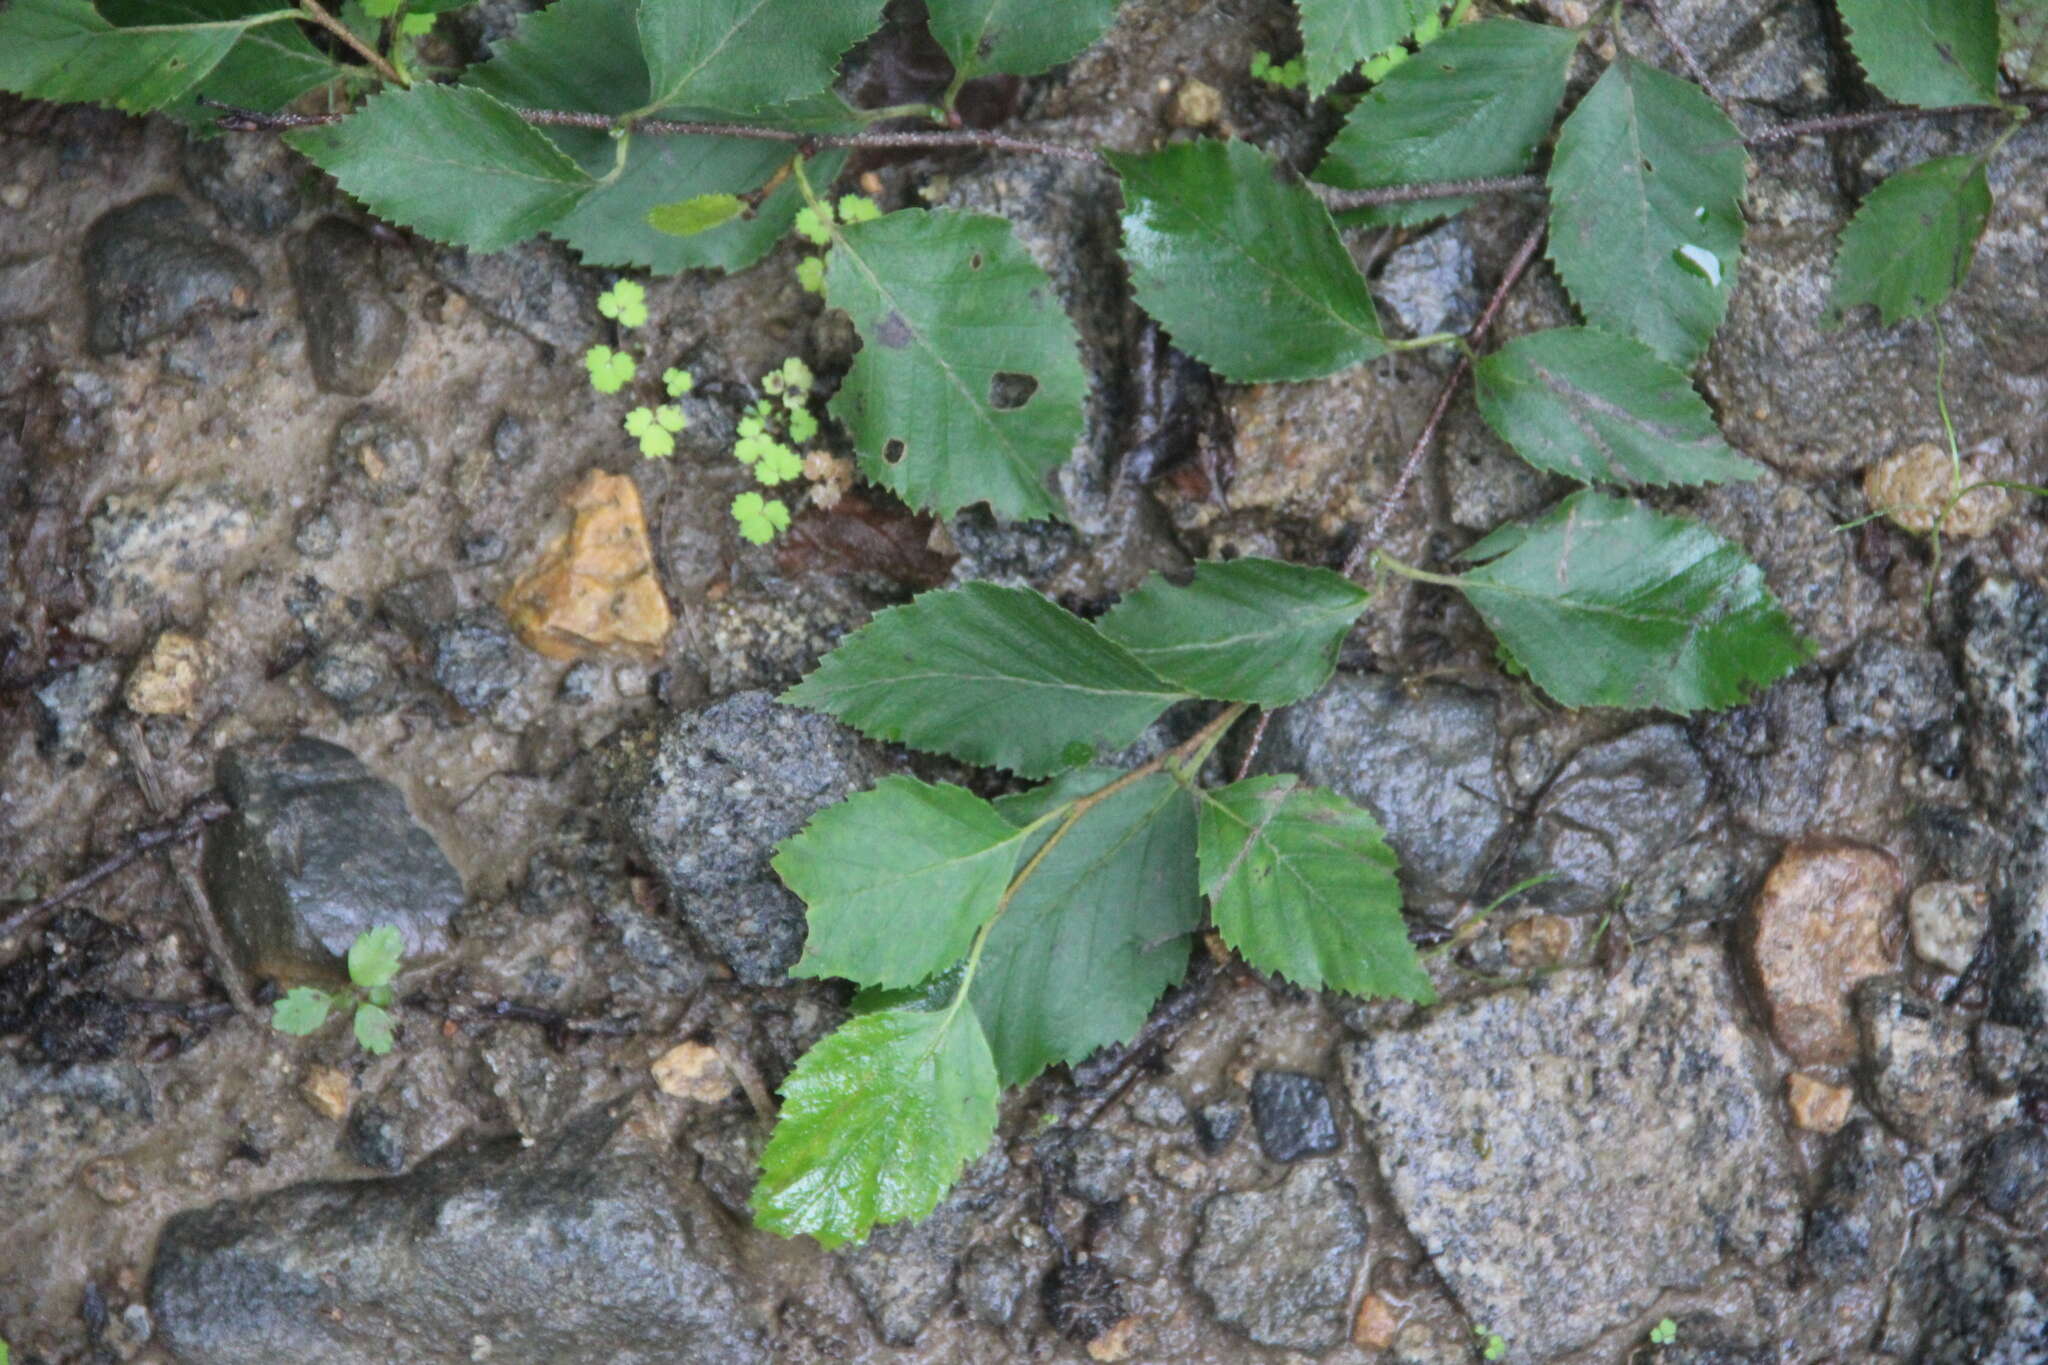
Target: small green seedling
[625,303]
[1288,75]
[1492,1345]
[655,429]
[761,519]
[610,370]
[1664,1333]
[373,960]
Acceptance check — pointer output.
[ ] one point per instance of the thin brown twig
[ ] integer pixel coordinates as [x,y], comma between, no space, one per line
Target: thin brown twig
[1678,45]
[313,11]
[202,812]
[1340,201]
[2035,103]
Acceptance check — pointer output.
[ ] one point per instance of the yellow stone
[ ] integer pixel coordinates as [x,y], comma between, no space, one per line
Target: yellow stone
[326,1090]
[693,1071]
[1911,486]
[594,589]
[1816,1105]
[168,680]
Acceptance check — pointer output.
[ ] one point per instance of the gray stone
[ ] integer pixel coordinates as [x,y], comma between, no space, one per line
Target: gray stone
[1607,1137]
[1916,1072]
[708,794]
[1773,758]
[1947,920]
[904,1273]
[1857,1225]
[58,1118]
[2011,1176]
[1291,1114]
[1216,1124]
[1277,1264]
[72,701]
[514,441]
[534,287]
[563,1252]
[1423,758]
[1428,284]
[149,266]
[356,675]
[1792,536]
[354,331]
[318,536]
[2005,668]
[374,1137]
[991,1285]
[1092,1164]
[1965,1295]
[1892,689]
[476,660]
[152,553]
[254,182]
[419,604]
[379,454]
[317,851]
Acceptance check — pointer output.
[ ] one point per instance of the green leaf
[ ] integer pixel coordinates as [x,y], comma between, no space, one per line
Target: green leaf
[1646,167]
[701,213]
[1097,932]
[300,1011]
[373,1028]
[1607,603]
[450,162]
[65,50]
[374,957]
[743,56]
[897,880]
[1242,265]
[271,64]
[1301,883]
[1017,37]
[999,677]
[1927,52]
[1911,244]
[1337,35]
[968,386]
[1254,630]
[575,54]
[1479,102]
[877,1122]
[1603,409]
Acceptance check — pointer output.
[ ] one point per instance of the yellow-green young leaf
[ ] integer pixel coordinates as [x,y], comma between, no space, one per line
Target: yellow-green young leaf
[300,1011]
[968,386]
[877,1121]
[1927,52]
[1607,603]
[743,56]
[999,677]
[1241,264]
[1478,102]
[1098,931]
[374,957]
[1911,244]
[1337,35]
[269,66]
[1255,630]
[1016,37]
[1301,883]
[450,162]
[1602,409]
[373,1028]
[897,880]
[1646,209]
[66,50]
[688,217]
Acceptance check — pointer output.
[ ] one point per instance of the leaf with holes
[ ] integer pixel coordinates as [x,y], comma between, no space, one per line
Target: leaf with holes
[1646,209]
[67,50]
[1337,35]
[1241,264]
[1301,883]
[968,386]
[450,162]
[1602,409]
[1927,52]
[1911,244]
[996,676]
[744,56]
[1476,103]
[897,880]
[1607,603]
[1098,931]
[877,1121]
[1017,37]
[1252,630]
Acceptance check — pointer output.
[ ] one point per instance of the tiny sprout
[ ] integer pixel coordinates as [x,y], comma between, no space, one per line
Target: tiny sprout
[654,428]
[1664,1333]
[610,370]
[759,518]
[778,464]
[678,382]
[626,302]
[814,225]
[802,425]
[1492,1345]
[373,961]
[797,375]
[810,273]
[1285,75]
[858,208]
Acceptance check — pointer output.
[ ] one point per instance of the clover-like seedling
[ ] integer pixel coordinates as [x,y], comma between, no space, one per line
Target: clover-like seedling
[810,273]
[655,429]
[610,370]
[373,961]
[1492,1345]
[1664,1333]
[760,519]
[1288,75]
[677,382]
[625,303]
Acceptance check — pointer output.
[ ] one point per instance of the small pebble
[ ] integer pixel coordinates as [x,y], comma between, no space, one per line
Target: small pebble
[326,1090]
[1816,1105]
[1948,920]
[170,677]
[1197,104]
[1376,1324]
[693,1071]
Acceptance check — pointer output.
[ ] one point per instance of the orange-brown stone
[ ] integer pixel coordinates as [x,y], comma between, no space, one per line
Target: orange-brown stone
[1825,920]
[594,588]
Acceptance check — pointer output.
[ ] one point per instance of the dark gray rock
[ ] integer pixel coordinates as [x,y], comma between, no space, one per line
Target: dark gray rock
[708,794]
[1091,1164]
[72,701]
[476,660]
[1916,1072]
[992,1285]
[379,454]
[1956,842]
[514,441]
[2011,1176]
[1429,284]
[317,851]
[256,183]
[374,1137]
[318,536]
[565,1252]
[356,675]
[1423,758]
[534,287]
[1277,1264]
[1216,1125]
[1773,758]
[58,1118]
[903,1274]
[2005,669]
[151,265]
[354,331]
[1889,688]
[1608,1136]
[1857,1225]
[1291,1113]
[419,604]
[1965,1295]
